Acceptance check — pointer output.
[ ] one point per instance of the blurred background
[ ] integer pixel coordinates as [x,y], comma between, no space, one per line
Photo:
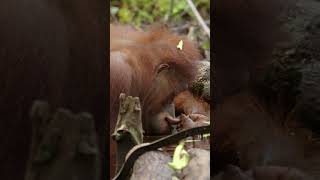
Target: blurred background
[176,14]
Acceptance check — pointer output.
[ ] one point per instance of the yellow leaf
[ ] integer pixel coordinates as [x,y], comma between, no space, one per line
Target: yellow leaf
[180,45]
[180,157]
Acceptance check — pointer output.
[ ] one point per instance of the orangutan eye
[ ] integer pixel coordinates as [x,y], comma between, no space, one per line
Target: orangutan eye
[162,67]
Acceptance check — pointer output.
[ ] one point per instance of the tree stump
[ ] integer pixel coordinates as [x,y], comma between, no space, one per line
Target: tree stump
[128,131]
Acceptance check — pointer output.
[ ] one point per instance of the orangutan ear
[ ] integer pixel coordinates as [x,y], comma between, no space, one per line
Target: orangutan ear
[162,67]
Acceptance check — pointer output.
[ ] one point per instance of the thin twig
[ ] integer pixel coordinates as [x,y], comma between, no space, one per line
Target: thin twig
[199,18]
[168,18]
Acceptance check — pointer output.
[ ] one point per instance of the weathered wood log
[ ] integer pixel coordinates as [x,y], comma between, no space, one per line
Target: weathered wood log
[64,145]
[128,131]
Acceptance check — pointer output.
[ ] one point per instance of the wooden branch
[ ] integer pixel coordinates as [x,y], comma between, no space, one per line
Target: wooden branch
[199,18]
[128,131]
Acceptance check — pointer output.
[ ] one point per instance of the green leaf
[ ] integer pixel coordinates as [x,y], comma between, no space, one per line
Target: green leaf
[206,45]
[180,157]
[125,15]
[179,7]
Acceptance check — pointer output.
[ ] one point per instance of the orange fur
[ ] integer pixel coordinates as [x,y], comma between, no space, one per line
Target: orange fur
[187,103]
[136,58]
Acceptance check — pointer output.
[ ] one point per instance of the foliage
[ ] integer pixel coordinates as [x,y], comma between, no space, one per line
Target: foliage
[175,13]
[140,12]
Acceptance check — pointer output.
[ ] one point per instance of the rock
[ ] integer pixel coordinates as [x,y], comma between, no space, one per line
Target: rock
[199,165]
[152,165]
